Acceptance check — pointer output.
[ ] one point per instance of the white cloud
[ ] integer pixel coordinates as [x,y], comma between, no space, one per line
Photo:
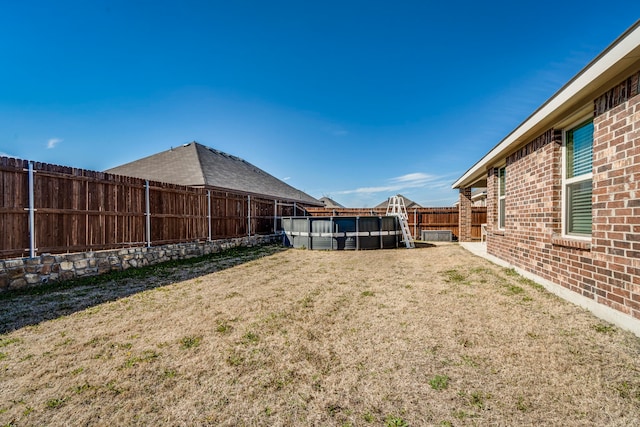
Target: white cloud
[404,183]
[413,178]
[371,190]
[286,178]
[400,183]
[53,142]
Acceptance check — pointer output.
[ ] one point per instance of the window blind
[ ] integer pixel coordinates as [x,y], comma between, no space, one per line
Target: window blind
[580,150]
[579,188]
[502,181]
[579,208]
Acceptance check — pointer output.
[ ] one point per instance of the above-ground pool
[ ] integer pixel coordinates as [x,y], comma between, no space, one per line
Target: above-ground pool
[342,232]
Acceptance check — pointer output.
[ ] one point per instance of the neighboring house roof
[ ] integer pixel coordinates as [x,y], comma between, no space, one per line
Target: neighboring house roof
[614,64]
[477,195]
[330,203]
[408,203]
[196,165]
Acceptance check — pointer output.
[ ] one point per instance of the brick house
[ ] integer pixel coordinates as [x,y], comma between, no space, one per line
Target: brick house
[563,189]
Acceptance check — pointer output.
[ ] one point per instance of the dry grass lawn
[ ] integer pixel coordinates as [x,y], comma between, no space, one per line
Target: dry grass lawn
[431,336]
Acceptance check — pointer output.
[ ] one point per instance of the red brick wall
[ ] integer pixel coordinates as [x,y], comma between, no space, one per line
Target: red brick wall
[464,215]
[616,210]
[533,208]
[607,269]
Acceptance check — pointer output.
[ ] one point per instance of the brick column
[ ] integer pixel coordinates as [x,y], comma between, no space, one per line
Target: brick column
[464,215]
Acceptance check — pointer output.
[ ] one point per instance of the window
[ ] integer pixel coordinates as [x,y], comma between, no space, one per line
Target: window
[501,196]
[577,180]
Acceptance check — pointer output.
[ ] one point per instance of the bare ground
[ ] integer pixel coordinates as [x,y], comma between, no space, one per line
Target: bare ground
[430,336]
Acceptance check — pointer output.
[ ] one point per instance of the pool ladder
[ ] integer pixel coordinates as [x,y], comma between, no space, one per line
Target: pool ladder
[396,207]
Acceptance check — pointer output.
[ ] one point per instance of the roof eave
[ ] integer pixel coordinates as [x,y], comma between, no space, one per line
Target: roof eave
[615,59]
[261,195]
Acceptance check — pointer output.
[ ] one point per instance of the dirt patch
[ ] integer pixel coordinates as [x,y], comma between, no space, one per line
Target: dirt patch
[418,337]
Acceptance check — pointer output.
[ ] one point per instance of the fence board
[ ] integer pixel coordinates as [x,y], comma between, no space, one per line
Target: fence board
[14,199]
[79,210]
[438,218]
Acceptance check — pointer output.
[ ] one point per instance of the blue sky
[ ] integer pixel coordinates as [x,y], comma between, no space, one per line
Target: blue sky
[355,100]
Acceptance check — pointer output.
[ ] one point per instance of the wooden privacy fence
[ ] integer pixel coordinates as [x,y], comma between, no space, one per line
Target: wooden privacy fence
[419,219]
[54,209]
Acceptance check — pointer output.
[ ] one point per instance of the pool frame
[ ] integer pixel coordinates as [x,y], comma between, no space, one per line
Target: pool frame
[342,232]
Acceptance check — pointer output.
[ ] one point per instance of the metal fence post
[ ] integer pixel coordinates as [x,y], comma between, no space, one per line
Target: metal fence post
[331,233]
[209,212]
[31,209]
[249,215]
[147,212]
[275,216]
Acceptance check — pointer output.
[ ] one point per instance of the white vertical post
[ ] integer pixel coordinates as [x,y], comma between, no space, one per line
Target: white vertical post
[249,215]
[275,216]
[331,231]
[147,212]
[209,213]
[32,221]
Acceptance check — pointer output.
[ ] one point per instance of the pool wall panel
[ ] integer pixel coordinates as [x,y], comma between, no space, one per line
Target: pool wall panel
[342,233]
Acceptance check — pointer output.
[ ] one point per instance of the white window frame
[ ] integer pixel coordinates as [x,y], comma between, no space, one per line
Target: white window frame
[502,198]
[568,181]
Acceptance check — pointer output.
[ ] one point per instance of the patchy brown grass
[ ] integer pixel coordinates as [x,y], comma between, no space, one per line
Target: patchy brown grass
[419,337]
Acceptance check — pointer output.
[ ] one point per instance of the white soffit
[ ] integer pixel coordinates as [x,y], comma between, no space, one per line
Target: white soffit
[616,58]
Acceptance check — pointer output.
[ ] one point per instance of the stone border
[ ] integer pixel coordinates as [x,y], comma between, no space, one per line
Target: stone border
[29,272]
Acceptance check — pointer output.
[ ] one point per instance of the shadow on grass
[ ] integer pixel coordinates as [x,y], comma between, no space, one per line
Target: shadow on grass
[30,306]
[421,244]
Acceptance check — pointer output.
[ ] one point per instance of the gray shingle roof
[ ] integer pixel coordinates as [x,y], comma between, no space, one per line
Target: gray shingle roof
[408,203]
[330,203]
[196,165]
